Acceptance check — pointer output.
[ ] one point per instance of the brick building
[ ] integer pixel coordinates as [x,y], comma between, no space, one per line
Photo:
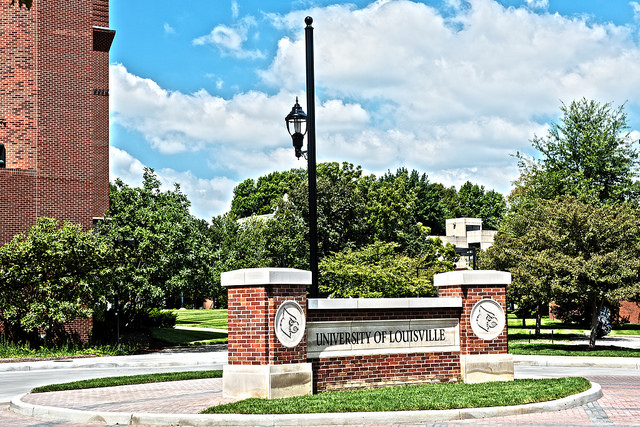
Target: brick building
[54,109]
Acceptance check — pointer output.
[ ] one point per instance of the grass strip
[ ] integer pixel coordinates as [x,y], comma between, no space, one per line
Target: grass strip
[217,319]
[129,380]
[172,336]
[10,350]
[547,349]
[414,397]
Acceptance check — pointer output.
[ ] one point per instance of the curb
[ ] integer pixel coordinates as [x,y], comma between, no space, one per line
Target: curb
[125,418]
[167,360]
[577,361]
[194,359]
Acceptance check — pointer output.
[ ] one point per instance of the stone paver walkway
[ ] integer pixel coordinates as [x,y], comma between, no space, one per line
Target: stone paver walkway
[620,405]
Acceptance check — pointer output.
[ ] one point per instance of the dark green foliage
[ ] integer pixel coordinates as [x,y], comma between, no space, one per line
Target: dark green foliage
[474,202]
[261,197]
[158,318]
[572,234]
[160,250]
[49,277]
[380,271]
[580,256]
[26,3]
[586,155]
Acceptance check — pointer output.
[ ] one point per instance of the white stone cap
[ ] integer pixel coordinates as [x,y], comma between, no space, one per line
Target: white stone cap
[472,277]
[265,276]
[382,303]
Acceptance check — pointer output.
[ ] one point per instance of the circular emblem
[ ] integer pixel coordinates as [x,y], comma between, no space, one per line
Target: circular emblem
[487,319]
[290,324]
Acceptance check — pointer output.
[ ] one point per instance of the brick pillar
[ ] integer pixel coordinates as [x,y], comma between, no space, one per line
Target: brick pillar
[483,322]
[267,339]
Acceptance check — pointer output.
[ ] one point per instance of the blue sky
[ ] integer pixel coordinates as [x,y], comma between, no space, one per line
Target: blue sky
[452,88]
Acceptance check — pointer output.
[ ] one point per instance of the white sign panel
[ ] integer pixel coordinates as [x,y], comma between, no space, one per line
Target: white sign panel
[487,319]
[353,338]
[289,324]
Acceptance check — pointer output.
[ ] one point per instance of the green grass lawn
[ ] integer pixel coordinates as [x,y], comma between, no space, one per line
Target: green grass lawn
[556,337]
[400,398]
[560,328]
[185,337]
[414,397]
[129,380]
[216,319]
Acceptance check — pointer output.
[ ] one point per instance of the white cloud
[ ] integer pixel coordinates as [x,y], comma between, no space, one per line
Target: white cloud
[124,166]
[235,10]
[168,29]
[174,122]
[636,10]
[457,91]
[401,84]
[209,197]
[539,4]
[230,40]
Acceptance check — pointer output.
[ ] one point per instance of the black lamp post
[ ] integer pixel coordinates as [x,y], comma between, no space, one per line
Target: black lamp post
[306,124]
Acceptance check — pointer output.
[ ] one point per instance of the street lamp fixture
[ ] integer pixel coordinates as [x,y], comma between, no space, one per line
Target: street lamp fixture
[303,123]
[297,119]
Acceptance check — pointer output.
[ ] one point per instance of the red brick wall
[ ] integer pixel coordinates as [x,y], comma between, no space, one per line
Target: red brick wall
[18,208]
[252,310]
[469,342]
[629,312]
[100,134]
[79,328]
[57,133]
[355,372]
[101,13]
[18,85]
[57,124]
[381,370]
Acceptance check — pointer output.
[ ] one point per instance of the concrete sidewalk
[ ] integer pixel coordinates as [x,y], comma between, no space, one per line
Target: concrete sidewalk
[179,403]
[183,358]
[202,355]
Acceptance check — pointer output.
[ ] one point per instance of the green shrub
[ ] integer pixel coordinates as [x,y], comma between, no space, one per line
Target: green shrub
[162,318]
[379,271]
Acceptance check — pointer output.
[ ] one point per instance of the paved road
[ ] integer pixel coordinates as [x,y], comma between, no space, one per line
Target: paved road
[14,383]
[620,404]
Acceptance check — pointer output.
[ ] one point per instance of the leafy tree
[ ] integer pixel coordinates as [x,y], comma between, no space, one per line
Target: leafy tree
[588,154]
[379,270]
[430,208]
[562,249]
[390,207]
[26,3]
[166,255]
[342,220]
[261,197]
[474,202]
[49,276]
[240,244]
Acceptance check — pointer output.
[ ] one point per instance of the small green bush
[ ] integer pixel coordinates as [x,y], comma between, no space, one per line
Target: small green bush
[161,318]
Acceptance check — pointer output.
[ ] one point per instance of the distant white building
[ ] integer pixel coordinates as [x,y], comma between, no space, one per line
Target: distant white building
[465,233]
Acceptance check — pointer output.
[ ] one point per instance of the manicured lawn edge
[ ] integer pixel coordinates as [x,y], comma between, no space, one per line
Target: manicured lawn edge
[129,380]
[414,398]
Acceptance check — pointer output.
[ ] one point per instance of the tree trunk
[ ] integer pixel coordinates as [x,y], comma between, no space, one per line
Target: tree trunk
[596,308]
[538,320]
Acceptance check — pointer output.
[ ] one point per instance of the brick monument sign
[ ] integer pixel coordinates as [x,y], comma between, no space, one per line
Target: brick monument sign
[281,344]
